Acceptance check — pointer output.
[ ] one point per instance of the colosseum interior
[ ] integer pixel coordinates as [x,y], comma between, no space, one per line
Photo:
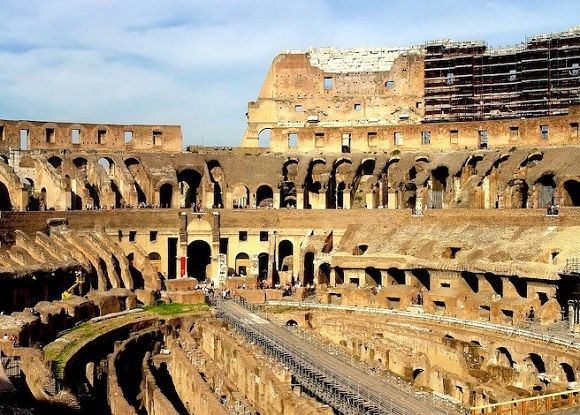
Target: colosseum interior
[398,233]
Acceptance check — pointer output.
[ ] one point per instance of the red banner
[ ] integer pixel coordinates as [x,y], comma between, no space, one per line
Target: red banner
[182,262]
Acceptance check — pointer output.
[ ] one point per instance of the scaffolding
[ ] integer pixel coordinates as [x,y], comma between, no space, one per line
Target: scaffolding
[467,81]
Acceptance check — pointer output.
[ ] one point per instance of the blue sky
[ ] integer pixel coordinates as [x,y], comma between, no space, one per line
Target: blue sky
[199,63]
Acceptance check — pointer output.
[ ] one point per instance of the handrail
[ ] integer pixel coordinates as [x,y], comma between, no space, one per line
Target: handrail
[515,401]
[551,338]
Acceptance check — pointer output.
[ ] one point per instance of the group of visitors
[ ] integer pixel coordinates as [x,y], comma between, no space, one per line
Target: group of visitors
[552,209]
[12,339]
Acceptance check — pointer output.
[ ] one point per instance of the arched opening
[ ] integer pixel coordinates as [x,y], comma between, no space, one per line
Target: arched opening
[118,196]
[341,174]
[471,280]
[166,196]
[131,161]
[155,260]
[216,175]
[288,185]
[572,193]
[285,255]
[503,357]
[397,276]
[263,260]
[416,374]
[242,263]
[495,282]
[324,274]
[368,167]
[537,363]
[518,192]
[313,184]
[339,275]
[55,161]
[3,158]
[373,276]
[80,162]
[198,259]
[340,195]
[43,199]
[189,183]
[141,198]
[108,164]
[94,195]
[33,202]
[308,268]
[265,138]
[264,196]
[241,197]
[291,323]
[136,275]
[546,188]
[438,185]
[5,203]
[568,372]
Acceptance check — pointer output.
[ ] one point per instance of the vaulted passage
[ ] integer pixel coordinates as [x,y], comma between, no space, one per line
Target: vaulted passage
[189,182]
[198,258]
[166,196]
[572,193]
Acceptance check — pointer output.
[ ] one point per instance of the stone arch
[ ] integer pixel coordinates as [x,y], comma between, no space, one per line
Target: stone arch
[503,357]
[136,275]
[518,193]
[155,260]
[373,276]
[546,190]
[216,175]
[265,137]
[285,255]
[5,202]
[108,164]
[324,273]
[535,362]
[568,372]
[242,263]
[166,195]
[337,185]
[240,196]
[80,162]
[571,193]
[55,161]
[198,259]
[288,185]
[263,263]
[291,323]
[315,177]
[418,374]
[439,177]
[308,277]
[189,181]
[132,161]
[367,167]
[264,196]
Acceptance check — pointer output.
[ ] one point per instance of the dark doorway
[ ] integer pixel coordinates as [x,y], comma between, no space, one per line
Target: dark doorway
[263,260]
[166,195]
[308,268]
[172,258]
[285,250]
[198,258]
[572,194]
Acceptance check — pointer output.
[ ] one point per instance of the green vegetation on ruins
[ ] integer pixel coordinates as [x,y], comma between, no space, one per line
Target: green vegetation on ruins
[70,341]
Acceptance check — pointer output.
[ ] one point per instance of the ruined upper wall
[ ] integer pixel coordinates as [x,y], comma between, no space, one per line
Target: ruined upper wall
[328,85]
[32,135]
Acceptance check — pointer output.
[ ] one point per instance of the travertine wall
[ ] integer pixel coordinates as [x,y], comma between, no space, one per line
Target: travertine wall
[30,135]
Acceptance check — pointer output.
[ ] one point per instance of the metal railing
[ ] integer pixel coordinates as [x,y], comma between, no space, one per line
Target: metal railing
[572,266]
[533,405]
[334,388]
[554,338]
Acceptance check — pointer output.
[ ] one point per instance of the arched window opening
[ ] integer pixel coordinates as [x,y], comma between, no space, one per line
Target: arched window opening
[264,196]
[285,255]
[242,264]
[265,138]
[241,197]
[189,186]
[55,162]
